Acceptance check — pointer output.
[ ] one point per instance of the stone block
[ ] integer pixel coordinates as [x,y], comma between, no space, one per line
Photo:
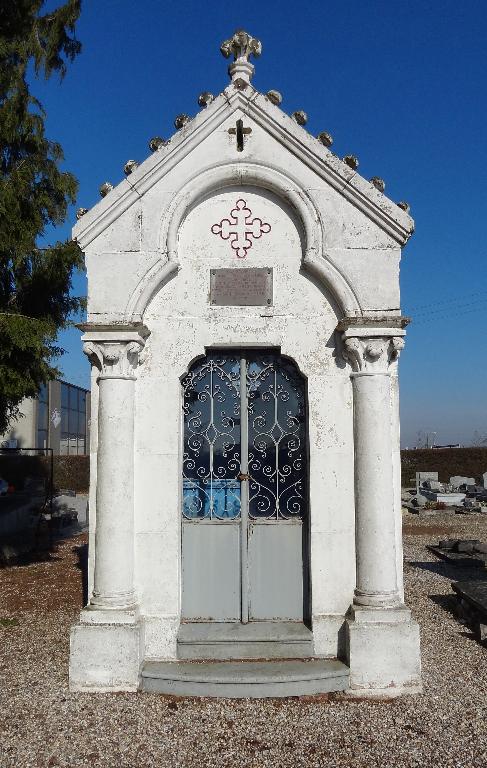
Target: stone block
[419,500]
[457,480]
[422,476]
[383,652]
[433,485]
[104,657]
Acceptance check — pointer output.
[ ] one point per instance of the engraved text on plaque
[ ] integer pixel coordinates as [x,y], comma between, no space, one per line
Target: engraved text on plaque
[241,287]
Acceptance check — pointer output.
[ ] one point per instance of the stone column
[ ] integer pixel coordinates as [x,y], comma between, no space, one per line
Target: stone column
[383,640]
[377,579]
[105,645]
[114,535]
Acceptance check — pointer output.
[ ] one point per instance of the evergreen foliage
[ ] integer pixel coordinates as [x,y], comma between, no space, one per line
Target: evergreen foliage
[35,283]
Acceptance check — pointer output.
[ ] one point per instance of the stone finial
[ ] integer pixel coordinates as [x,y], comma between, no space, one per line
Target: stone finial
[156,143]
[405,206]
[274,97]
[105,188]
[242,46]
[378,183]
[81,212]
[130,167]
[300,117]
[205,98]
[181,121]
[351,161]
[325,138]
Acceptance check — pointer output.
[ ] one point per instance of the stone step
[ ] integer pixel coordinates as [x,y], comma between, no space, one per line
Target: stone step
[245,679]
[256,640]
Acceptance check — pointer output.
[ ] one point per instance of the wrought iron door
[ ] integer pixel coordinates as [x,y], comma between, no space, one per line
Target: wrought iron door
[244,494]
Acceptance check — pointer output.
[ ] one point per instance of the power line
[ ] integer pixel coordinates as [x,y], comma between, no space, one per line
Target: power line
[427,319]
[445,301]
[442,310]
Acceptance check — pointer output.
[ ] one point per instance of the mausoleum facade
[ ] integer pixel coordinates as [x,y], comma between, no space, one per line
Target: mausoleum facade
[244,328]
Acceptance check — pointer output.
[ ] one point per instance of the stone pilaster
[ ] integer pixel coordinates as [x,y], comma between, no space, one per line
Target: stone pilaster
[383,640]
[97,662]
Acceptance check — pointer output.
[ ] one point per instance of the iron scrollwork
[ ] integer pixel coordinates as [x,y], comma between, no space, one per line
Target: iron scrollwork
[277,439]
[211,456]
[276,450]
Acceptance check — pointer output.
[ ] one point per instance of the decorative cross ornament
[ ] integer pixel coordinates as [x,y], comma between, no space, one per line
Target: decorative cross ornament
[243,46]
[239,131]
[240,228]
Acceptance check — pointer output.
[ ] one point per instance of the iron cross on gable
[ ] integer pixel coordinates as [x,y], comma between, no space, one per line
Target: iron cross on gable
[239,131]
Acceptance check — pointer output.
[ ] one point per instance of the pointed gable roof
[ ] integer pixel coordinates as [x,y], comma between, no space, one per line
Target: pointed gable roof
[240,95]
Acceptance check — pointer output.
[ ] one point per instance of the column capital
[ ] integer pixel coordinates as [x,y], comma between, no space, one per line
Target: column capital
[372,344]
[372,354]
[115,351]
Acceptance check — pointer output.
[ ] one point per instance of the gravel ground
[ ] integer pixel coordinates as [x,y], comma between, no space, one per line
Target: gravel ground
[42,724]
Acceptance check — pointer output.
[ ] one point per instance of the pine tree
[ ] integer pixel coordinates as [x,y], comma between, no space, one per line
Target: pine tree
[35,283]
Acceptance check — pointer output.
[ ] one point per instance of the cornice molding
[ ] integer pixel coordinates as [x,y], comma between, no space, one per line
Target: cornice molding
[270,117]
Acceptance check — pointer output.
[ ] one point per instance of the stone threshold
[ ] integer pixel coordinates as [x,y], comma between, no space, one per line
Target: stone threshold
[257,640]
[245,679]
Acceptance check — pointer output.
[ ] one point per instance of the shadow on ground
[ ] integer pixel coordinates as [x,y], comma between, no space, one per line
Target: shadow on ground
[82,552]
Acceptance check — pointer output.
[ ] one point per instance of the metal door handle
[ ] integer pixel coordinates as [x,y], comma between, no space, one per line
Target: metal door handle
[243,476]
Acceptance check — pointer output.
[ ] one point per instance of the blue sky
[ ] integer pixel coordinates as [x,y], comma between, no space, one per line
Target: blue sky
[400,84]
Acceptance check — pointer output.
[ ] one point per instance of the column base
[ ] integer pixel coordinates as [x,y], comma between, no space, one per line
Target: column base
[383,652]
[105,652]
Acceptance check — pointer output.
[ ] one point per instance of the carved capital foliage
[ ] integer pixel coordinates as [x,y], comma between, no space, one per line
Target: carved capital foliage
[114,359]
[372,354]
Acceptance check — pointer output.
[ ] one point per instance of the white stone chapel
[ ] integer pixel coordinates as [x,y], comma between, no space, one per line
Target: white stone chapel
[244,329]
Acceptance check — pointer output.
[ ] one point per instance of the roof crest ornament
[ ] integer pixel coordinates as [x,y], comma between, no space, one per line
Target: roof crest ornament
[242,46]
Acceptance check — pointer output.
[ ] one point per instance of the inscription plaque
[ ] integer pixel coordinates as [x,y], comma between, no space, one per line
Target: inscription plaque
[248,287]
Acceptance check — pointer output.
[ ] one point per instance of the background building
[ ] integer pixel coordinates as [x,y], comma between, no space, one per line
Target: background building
[59,418]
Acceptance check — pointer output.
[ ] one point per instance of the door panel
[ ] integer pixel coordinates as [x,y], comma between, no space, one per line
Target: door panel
[211,572]
[276,438]
[275,571]
[244,488]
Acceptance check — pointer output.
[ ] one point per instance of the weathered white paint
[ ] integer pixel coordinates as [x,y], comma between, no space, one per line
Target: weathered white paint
[334,246]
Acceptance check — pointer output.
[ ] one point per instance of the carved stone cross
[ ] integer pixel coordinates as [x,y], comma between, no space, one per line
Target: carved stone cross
[240,228]
[239,131]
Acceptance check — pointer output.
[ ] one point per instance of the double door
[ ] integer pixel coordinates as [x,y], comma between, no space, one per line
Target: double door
[244,497]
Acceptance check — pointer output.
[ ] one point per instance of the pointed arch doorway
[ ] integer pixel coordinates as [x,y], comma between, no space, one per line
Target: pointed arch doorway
[244,498]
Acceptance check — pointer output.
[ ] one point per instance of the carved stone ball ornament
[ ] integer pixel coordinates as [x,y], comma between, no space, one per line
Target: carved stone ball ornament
[130,166]
[378,183]
[274,97]
[300,117]
[105,188]
[81,212]
[351,161]
[181,121]
[205,98]
[156,143]
[325,138]
[372,355]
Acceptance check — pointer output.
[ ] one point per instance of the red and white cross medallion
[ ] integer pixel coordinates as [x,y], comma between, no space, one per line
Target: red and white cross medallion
[240,228]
